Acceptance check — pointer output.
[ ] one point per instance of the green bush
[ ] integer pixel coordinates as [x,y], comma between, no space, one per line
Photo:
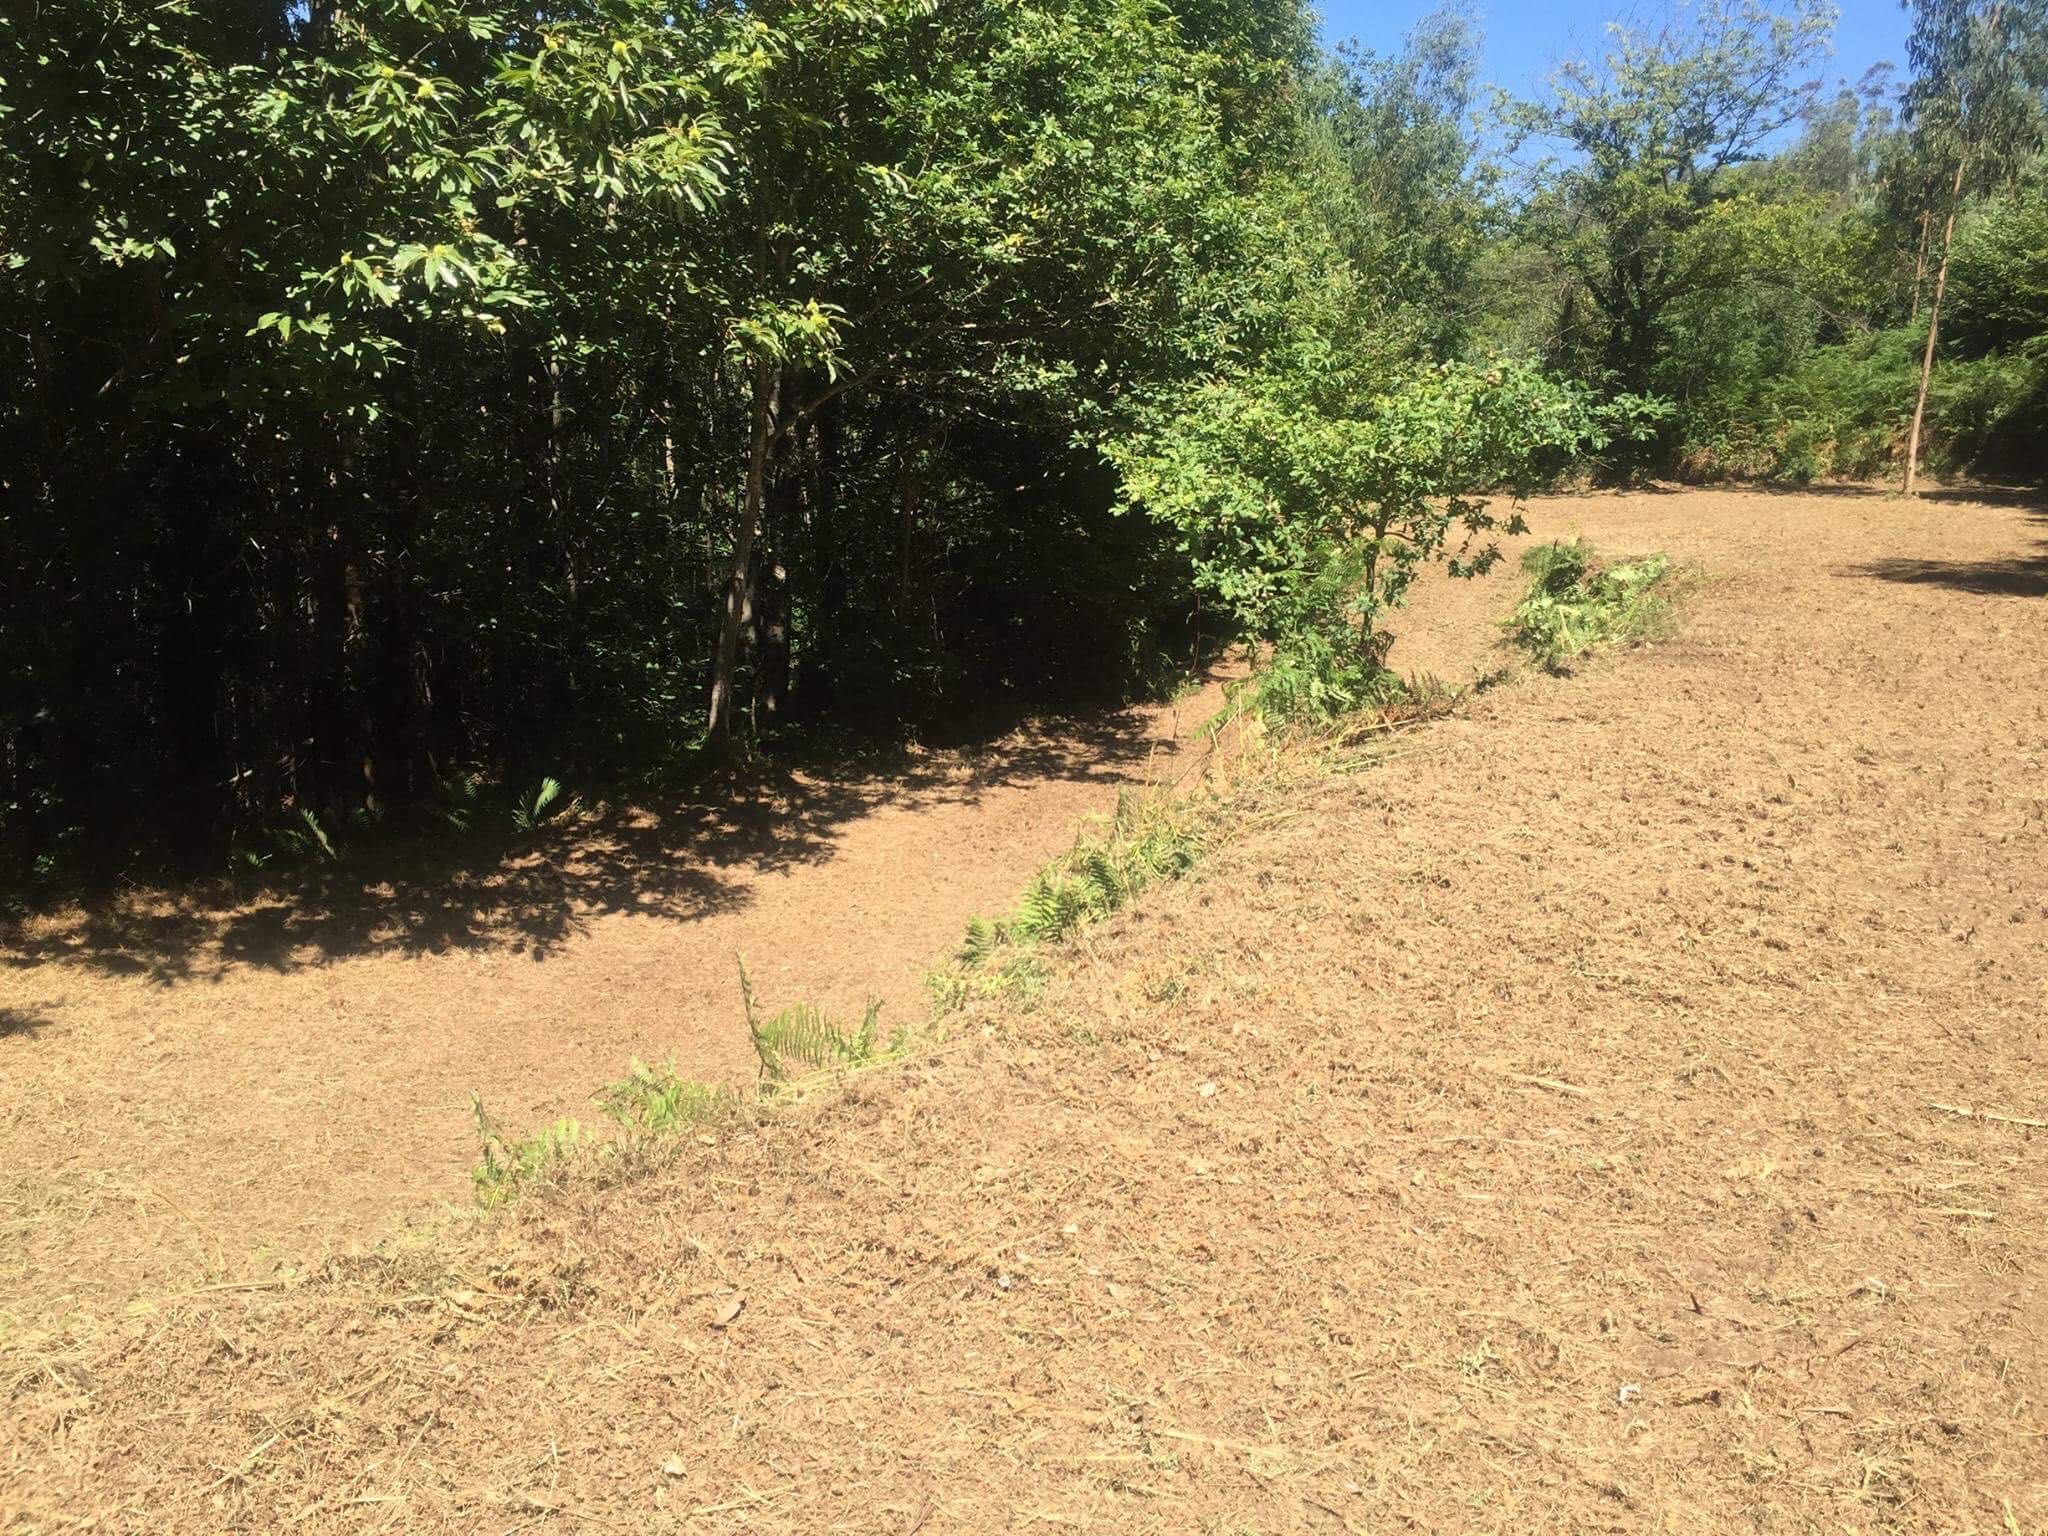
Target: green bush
[1576,603]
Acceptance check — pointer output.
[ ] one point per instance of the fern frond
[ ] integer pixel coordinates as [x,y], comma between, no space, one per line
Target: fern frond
[981,941]
[802,1036]
[317,832]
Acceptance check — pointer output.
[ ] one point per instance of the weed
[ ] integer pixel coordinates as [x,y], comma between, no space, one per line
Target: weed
[507,1166]
[1575,603]
[802,1035]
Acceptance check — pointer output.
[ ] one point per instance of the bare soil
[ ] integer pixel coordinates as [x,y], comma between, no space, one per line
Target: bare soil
[1620,1108]
[199,1092]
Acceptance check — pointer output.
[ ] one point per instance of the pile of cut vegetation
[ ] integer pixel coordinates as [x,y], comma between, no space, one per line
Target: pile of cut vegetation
[1578,602]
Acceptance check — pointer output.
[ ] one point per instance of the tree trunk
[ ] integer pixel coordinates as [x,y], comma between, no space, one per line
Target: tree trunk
[771,599]
[1920,263]
[1948,236]
[738,585]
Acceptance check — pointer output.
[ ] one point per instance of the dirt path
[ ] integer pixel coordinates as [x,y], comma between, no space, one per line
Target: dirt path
[1620,1109]
[194,1094]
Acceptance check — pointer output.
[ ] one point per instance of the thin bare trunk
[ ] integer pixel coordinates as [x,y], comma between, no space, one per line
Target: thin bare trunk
[1920,262]
[1948,236]
[733,622]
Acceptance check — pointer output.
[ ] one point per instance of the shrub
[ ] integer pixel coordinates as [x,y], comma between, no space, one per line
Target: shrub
[1575,603]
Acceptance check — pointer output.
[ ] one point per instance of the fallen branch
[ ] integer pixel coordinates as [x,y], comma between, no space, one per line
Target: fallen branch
[1555,1085]
[1967,1113]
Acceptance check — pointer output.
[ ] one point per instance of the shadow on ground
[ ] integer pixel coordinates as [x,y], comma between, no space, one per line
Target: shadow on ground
[679,857]
[2030,497]
[20,1021]
[2019,576]
[2015,575]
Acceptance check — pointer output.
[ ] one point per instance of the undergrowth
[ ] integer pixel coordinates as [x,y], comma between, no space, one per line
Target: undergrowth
[509,1166]
[1150,838]
[1577,603]
[1298,693]
[651,1106]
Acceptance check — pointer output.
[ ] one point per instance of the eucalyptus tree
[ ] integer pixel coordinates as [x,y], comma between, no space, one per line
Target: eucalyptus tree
[1974,104]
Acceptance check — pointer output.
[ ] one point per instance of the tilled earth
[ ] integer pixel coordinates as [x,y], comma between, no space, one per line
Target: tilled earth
[1620,1108]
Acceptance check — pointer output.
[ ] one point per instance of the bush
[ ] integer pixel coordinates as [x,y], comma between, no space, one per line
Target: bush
[1575,603]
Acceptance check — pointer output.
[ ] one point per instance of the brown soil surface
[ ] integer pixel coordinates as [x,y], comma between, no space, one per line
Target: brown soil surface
[1621,1108]
[196,1093]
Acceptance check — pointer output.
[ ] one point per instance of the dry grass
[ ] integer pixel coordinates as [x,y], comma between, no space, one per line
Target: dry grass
[1554,1125]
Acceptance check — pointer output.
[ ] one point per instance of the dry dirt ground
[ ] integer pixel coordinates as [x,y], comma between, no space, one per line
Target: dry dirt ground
[197,1092]
[1620,1108]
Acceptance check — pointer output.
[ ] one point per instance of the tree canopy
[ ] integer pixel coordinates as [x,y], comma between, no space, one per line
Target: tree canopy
[418,394]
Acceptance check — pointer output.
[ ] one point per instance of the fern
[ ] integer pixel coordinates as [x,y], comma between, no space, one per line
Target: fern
[1146,840]
[507,1166]
[538,807]
[318,833]
[802,1035]
[460,797]
[653,1100]
[980,943]
[1103,884]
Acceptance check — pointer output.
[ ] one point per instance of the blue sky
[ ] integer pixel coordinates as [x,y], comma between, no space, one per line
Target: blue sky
[1526,38]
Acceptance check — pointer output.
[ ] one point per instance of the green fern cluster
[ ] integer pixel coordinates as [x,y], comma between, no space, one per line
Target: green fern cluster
[802,1037]
[1145,841]
[650,1103]
[508,1166]
[655,1101]
[1575,603]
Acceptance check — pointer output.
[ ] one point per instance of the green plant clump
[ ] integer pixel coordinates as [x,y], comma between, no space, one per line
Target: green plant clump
[1575,603]
[1147,840]
[802,1037]
[508,1167]
[654,1101]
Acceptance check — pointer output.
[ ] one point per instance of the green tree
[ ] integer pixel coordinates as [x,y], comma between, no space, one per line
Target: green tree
[1973,104]
[1647,141]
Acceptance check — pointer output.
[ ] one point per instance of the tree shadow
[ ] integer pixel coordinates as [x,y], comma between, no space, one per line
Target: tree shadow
[2015,575]
[2033,498]
[678,856]
[20,1021]
[2019,576]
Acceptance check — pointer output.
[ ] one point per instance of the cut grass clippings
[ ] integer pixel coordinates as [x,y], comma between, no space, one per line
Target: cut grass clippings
[1577,602]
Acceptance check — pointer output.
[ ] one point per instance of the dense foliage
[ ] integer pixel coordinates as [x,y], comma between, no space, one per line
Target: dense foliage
[409,391]
[1702,221]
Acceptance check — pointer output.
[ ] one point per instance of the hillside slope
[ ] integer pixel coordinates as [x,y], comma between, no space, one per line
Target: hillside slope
[1564,1122]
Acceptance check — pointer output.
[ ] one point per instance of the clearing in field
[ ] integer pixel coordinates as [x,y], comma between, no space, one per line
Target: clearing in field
[1618,1107]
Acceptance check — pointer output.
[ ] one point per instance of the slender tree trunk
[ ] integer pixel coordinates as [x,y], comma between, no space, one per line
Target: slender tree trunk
[1920,263]
[733,621]
[769,636]
[1948,236]
[909,488]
